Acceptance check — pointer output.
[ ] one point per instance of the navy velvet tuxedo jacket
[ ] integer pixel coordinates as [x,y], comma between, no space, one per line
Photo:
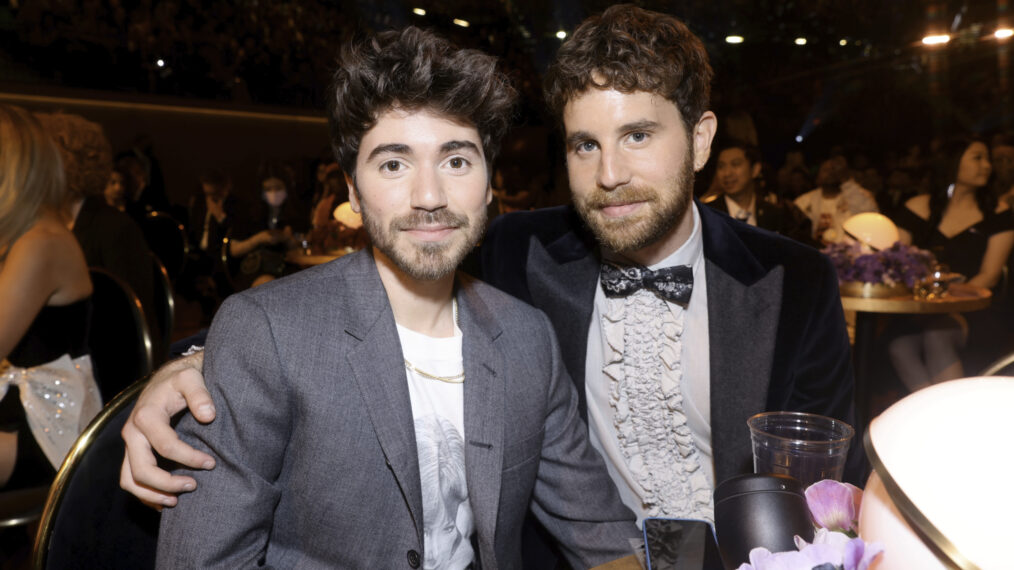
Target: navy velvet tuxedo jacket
[776,329]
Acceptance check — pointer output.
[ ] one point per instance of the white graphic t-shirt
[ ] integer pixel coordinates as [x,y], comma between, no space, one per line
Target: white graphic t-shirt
[438,410]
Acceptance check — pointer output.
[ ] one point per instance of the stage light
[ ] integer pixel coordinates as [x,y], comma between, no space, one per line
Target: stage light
[160,62]
[733,39]
[460,22]
[1003,33]
[799,138]
[561,35]
[800,41]
[937,39]
[418,11]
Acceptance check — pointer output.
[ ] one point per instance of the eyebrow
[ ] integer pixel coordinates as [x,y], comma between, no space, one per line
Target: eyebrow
[392,148]
[451,146]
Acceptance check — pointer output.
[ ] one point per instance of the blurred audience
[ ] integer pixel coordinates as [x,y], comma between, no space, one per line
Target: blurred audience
[109,238]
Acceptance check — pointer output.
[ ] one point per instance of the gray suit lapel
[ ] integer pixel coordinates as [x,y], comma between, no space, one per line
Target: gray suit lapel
[379,369]
[484,414]
[742,325]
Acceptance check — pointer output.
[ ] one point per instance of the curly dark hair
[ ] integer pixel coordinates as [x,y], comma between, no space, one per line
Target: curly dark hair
[631,49]
[416,69]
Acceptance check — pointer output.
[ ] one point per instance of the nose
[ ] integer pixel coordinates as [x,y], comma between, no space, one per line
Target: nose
[428,191]
[613,171]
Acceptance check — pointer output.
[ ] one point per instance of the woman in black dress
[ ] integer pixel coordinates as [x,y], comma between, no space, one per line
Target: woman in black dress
[964,226]
[44,288]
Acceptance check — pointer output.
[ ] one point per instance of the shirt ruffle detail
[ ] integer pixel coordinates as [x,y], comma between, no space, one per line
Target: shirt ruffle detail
[642,365]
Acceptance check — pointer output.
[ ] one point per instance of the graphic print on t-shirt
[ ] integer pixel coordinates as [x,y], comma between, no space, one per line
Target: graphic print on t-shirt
[446,513]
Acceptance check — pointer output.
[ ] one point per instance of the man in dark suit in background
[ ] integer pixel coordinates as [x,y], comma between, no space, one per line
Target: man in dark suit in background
[737,171]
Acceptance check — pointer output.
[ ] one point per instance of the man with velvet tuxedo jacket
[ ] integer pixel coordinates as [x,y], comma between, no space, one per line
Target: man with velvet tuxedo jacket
[761,327]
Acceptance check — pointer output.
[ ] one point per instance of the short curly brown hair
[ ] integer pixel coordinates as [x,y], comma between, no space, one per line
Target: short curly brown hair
[85,150]
[631,49]
[416,69]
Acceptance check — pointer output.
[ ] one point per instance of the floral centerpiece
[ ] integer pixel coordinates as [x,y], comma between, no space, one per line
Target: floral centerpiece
[884,273]
[834,508]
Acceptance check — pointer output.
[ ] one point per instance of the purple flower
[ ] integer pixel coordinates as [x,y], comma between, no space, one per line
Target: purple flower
[898,264]
[834,505]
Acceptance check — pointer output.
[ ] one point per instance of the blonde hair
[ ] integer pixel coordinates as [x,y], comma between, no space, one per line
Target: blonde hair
[85,151]
[31,173]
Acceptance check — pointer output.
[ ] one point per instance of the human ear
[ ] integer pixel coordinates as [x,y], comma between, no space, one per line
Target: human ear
[704,133]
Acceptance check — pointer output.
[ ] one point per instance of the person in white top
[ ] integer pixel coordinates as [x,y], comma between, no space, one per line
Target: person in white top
[838,198]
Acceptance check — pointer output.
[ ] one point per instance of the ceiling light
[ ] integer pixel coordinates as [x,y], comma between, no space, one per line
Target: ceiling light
[733,39]
[460,22]
[160,62]
[1003,33]
[843,42]
[936,39]
[561,35]
[418,11]
[800,41]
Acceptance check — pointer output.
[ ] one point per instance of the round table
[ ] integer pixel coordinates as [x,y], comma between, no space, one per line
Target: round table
[298,257]
[960,298]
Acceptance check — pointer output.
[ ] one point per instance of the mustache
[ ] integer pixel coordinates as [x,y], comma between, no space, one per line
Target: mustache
[601,198]
[420,219]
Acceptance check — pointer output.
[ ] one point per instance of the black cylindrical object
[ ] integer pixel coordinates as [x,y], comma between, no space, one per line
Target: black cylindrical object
[759,510]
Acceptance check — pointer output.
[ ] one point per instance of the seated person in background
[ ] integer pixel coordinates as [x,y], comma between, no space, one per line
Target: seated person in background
[142,196]
[443,413]
[738,168]
[212,213]
[837,199]
[115,192]
[44,308]
[1002,157]
[966,228]
[261,236]
[109,238]
[334,191]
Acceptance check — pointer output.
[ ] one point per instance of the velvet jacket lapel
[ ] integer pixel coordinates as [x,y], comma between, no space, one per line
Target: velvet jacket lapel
[744,305]
[378,365]
[744,302]
[562,279]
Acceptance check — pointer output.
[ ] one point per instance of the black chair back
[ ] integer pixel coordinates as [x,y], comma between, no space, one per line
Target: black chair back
[167,239]
[119,341]
[88,521]
[164,309]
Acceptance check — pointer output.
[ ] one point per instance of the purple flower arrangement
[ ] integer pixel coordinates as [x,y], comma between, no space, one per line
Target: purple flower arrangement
[834,507]
[898,264]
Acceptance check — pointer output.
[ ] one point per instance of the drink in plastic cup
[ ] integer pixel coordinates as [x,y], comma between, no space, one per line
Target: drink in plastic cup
[808,447]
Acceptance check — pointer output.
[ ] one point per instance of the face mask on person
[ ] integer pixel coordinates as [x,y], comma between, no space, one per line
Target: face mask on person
[275,198]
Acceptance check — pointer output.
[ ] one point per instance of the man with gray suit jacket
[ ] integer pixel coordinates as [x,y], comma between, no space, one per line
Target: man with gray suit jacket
[382,410]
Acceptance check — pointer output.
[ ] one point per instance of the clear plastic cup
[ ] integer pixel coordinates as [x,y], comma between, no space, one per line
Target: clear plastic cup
[809,447]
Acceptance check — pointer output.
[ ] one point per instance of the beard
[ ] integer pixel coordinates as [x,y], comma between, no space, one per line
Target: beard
[425,261]
[664,207]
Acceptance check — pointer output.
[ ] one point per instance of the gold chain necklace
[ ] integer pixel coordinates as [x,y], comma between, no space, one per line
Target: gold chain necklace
[457,378]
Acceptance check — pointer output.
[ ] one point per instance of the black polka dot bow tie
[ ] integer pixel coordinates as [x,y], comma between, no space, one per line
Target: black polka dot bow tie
[674,284]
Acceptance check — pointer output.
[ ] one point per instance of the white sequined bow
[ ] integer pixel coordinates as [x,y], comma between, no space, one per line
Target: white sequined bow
[60,398]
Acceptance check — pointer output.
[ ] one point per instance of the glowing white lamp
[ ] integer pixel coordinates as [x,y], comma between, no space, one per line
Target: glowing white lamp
[941,496]
[874,231]
[348,218]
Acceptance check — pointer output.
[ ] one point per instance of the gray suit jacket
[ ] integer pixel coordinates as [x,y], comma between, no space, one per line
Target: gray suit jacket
[317,462]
